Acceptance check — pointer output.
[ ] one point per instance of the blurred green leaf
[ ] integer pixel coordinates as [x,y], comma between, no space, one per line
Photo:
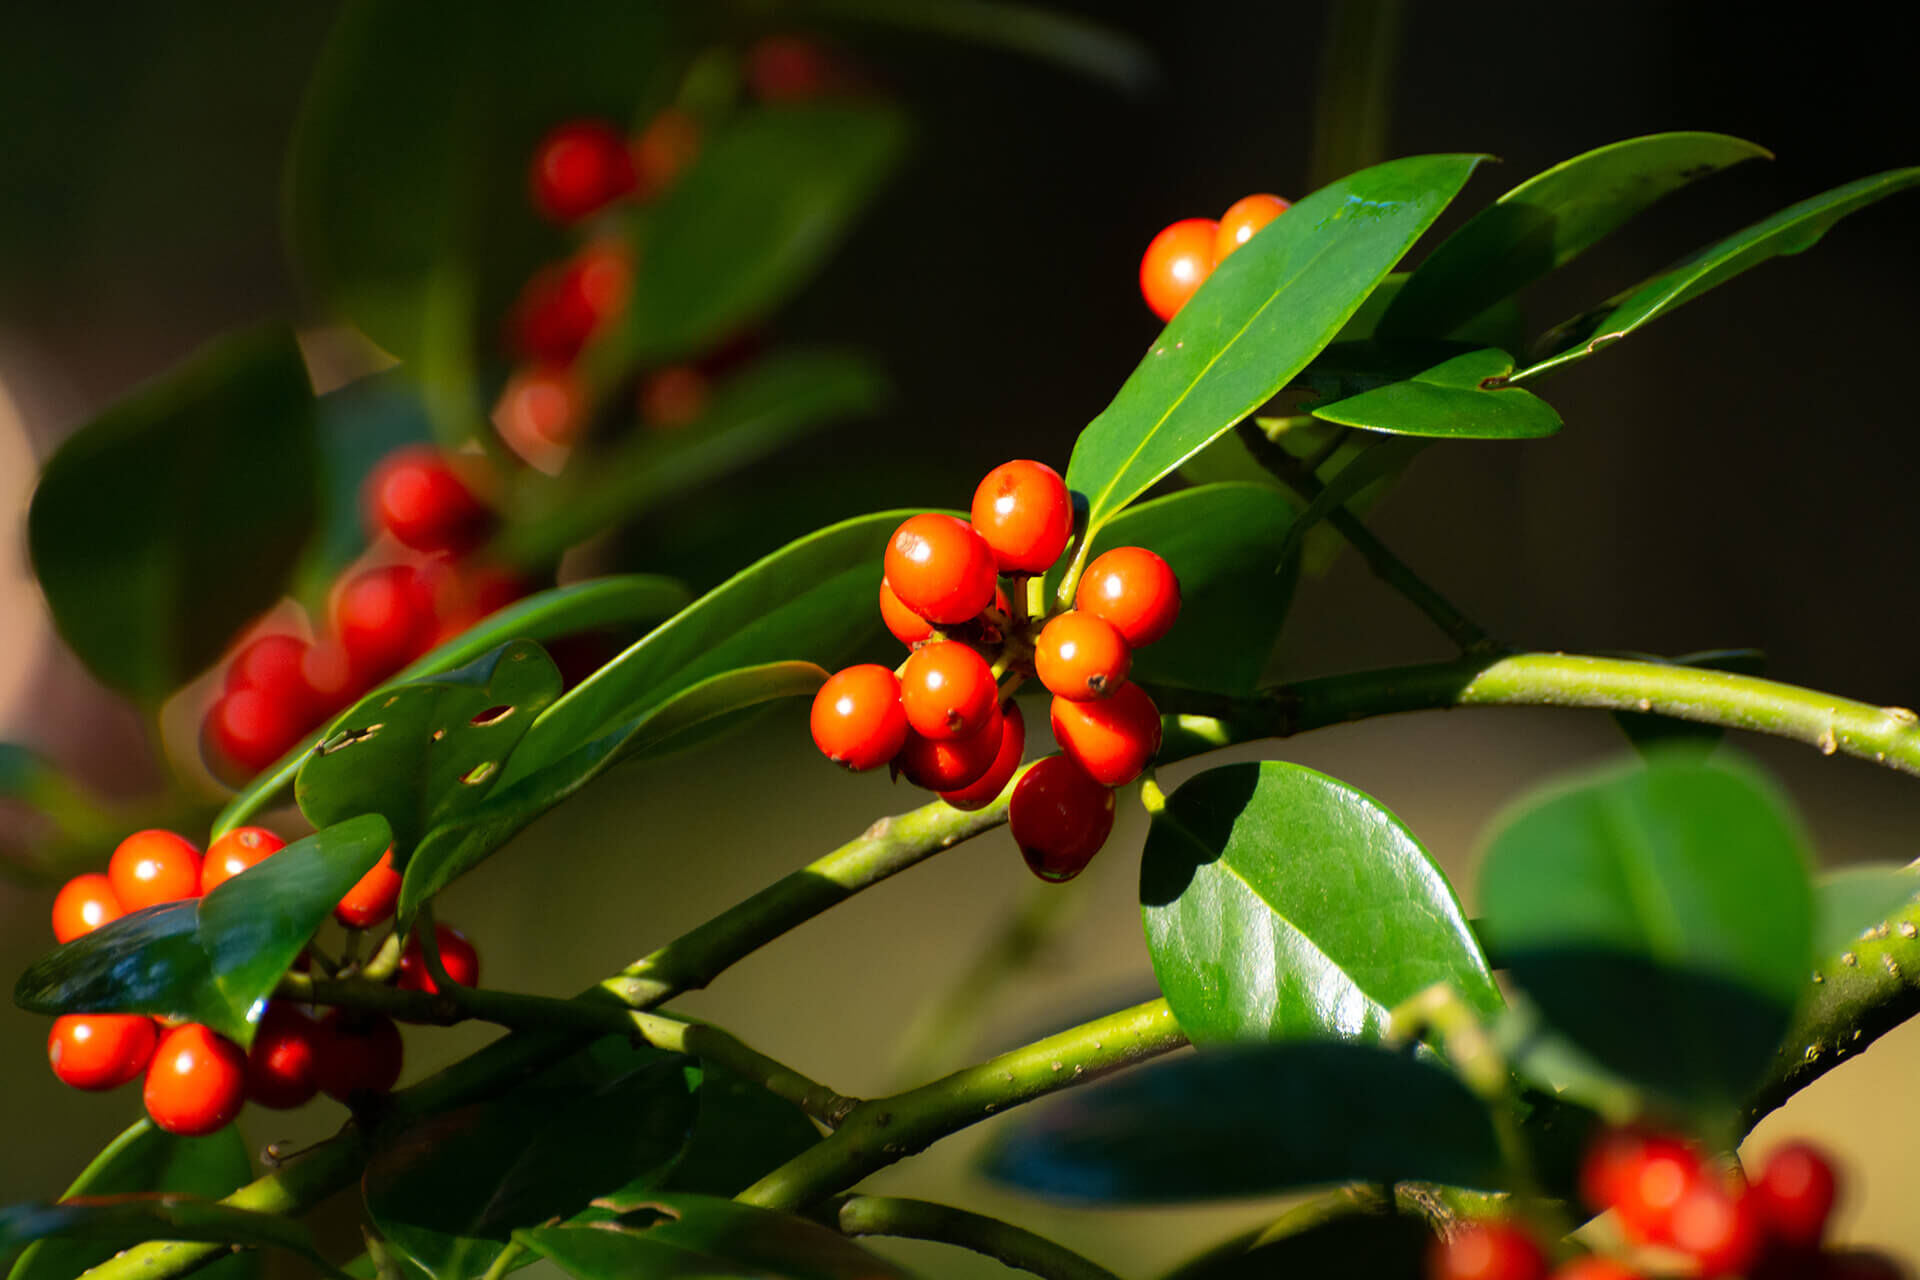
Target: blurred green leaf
[1065,38]
[1790,231]
[1255,323]
[1279,902]
[1377,460]
[1462,397]
[1848,903]
[1549,220]
[425,751]
[148,564]
[126,1220]
[742,1134]
[1252,1120]
[1660,917]
[146,1159]
[210,960]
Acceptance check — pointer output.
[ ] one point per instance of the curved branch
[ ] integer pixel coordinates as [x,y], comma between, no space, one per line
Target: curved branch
[1001,1241]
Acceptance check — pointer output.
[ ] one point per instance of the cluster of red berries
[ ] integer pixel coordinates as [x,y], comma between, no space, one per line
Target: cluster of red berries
[945,719]
[196,1079]
[1183,255]
[278,686]
[1667,1193]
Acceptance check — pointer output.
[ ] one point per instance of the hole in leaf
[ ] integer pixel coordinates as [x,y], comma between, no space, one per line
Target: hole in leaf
[641,1218]
[492,715]
[480,772]
[347,737]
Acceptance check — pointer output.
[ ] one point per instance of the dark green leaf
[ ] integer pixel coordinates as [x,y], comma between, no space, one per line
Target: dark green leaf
[643,1232]
[1255,323]
[407,201]
[764,407]
[462,843]
[1790,231]
[425,751]
[127,1220]
[1549,220]
[1222,541]
[1463,397]
[1373,1246]
[1851,904]
[449,1191]
[1065,38]
[211,960]
[769,196]
[1500,325]
[1660,917]
[145,1158]
[151,596]
[1281,902]
[546,615]
[742,1134]
[1252,1120]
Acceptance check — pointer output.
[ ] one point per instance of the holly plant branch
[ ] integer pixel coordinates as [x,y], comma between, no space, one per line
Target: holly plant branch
[1001,1241]
[1855,1004]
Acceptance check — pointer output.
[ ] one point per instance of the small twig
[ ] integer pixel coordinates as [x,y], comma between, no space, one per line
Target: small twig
[1002,1241]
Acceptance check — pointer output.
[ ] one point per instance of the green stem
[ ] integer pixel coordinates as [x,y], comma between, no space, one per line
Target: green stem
[1001,1241]
[504,1260]
[702,1040]
[885,1130]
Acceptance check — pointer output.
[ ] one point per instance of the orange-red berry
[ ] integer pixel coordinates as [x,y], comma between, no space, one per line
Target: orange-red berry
[947,690]
[417,496]
[270,663]
[1722,1230]
[384,618]
[154,866]
[857,719]
[356,1052]
[908,627]
[234,852]
[987,788]
[197,1082]
[1643,1177]
[1112,738]
[1595,1267]
[951,764]
[280,1065]
[1135,590]
[579,168]
[1795,1193]
[1024,512]
[1242,218]
[373,897]
[540,405]
[83,904]
[561,307]
[457,957]
[1081,657]
[1176,263]
[100,1050]
[941,568]
[1487,1251]
[246,730]
[1059,817]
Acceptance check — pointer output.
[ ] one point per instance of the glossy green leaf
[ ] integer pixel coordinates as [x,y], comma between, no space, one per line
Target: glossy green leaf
[1253,1120]
[1221,540]
[1047,34]
[815,598]
[742,1134]
[1793,229]
[465,840]
[210,960]
[1462,397]
[546,615]
[407,206]
[770,404]
[1660,917]
[145,1159]
[1256,322]
[152,596]
[126,1220]
[1280,902]
[644,1232]
[1500,325]
[1549,220]
[769,196]
[1851,904]
[425,751]
[449,1191]
[1377,460]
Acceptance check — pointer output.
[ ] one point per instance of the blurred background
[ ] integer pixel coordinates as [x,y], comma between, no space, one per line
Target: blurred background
[1741,474]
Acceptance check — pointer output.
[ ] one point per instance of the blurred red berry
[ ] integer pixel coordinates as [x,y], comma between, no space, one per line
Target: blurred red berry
[1487,1251]
[1795,1193]
[579,168]
[417,496]
[356,1053]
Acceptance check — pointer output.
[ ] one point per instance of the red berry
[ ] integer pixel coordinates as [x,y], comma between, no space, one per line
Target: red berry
[457,956]
[1113,738]
[540,405]
[1244,217]
[1644,1177]
[947,690]
[1133,589]
[1176,263]
[249,729]
[271,664]
[1487,1251]
[234,852]
[373,898]
[908,627]
[154,866]
[673,397]
[1795,1194]
[197,1082]
[941,568]
[951,764]
[1059,817]
[419,498]
[356,1052]
[332,677]
[83,904]
[1023,511]
[663,150]
[857,719]
[100,1050]
[280,1065]
[1081,657]
[1013,744]
[1723,1231]
[1595,1267]
[561,307]
[578,168]
[384,618]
